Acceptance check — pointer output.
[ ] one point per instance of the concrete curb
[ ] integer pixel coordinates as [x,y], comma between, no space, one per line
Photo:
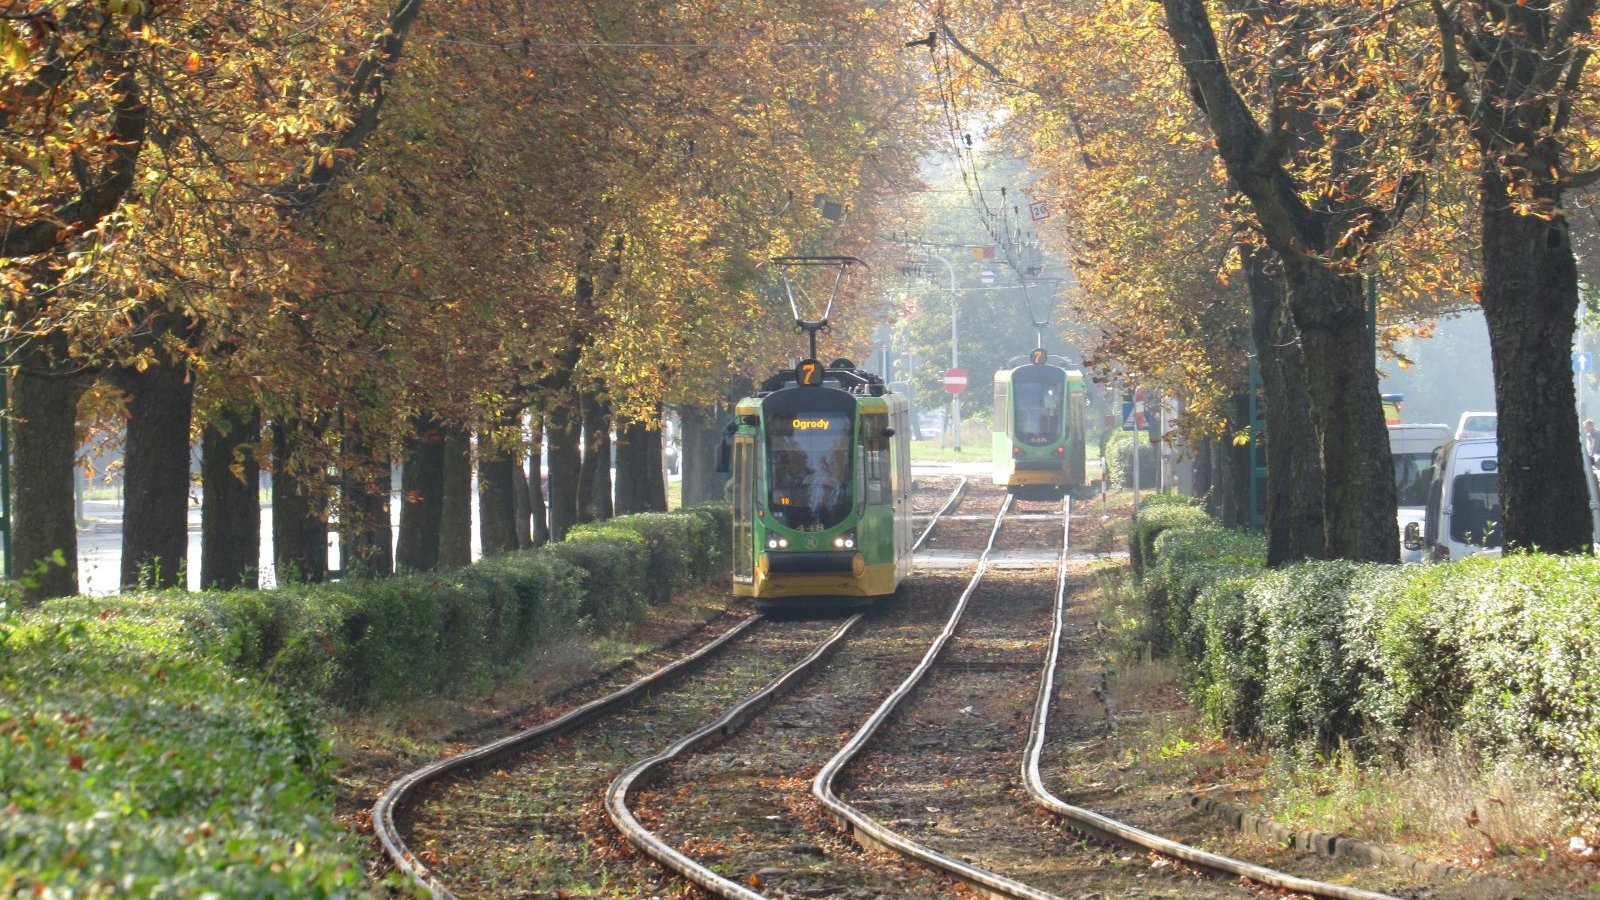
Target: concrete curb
[1331,845]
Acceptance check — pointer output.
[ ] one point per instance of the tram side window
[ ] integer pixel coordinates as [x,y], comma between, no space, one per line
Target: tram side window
[877,457]
[1039,409]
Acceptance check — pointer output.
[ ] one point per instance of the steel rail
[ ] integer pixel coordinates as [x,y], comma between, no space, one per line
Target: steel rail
[402,790]
[725,726]
[617,793]
[1114,831]
[822,786]
[955,495]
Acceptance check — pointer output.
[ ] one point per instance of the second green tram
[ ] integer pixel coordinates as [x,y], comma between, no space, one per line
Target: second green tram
[1038,427]
[821,490]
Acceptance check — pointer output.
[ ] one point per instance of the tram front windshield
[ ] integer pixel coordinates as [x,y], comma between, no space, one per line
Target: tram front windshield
[808,459]
[1039,407]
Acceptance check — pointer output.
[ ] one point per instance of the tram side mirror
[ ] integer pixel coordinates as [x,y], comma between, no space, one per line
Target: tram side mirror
[1413,536]
[888,432]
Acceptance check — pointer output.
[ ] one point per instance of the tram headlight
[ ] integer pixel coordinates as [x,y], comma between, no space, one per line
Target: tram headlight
[777,543]
[846,541]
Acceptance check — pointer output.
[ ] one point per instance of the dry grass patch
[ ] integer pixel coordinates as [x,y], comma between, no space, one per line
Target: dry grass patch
[1441,798]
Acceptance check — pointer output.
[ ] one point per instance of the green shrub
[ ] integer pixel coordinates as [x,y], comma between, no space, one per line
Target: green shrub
[1229,677]
[615,560]
[1184,561]
[166,743]
[134,762]
[678,543]
[1528,638]
[1168,498]
[1402,624]
[1311,697]
[1154,520]
[717,549]
[1119,460]
[1499,651]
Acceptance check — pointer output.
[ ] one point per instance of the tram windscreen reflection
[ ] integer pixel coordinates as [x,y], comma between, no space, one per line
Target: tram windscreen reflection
[809,462]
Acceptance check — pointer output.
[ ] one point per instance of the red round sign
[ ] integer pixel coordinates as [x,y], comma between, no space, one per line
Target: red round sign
[955,380]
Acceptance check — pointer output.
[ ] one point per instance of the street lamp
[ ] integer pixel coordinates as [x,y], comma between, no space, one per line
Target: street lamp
[955,401]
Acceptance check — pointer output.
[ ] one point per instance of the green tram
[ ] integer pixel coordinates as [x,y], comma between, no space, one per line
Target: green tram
[1038,426]
[821,487]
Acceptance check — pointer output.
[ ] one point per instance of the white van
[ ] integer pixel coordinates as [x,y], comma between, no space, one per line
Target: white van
[1463,511]
[1411,448]
[1477,425]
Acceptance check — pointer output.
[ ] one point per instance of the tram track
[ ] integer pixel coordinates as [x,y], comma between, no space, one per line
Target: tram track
[981,831]
[721,800]
[560,744]
[1111,830]
[745,810]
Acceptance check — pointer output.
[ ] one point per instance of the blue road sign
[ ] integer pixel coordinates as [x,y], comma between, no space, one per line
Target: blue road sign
[1583,361]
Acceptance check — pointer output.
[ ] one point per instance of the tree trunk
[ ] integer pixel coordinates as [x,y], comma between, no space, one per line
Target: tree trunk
[1530,301]
[497,496]
[1239,475]
[702,438]
[594,484]
[541,521]
[230,503]
[524,504]
[1295,527]
[1221,491]
[421,497]
[155,517]
[455,531]
[1324,295]
[1202,470]
[366,539]
[1358,497]
[633,459]
[299,528]
[655,472]
[566,462]
[44,519]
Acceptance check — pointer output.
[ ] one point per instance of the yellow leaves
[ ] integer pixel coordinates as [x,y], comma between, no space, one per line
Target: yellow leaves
[13,49]
[191,64]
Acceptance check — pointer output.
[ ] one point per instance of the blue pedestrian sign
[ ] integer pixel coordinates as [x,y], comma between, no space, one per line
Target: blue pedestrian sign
[1583,361]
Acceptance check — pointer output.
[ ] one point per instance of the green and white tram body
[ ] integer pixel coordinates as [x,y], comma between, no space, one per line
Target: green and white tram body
[821,479]
[1038,427]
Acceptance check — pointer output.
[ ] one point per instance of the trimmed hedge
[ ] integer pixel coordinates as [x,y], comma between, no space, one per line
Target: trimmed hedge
[168,743]
[1157,513]
[1501,651]
[135,763]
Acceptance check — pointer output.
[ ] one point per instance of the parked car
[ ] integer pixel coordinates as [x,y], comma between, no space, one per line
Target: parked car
[1412,447]
[1477,425]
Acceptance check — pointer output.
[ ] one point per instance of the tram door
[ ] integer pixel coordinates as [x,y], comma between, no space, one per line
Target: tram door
[744,501]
